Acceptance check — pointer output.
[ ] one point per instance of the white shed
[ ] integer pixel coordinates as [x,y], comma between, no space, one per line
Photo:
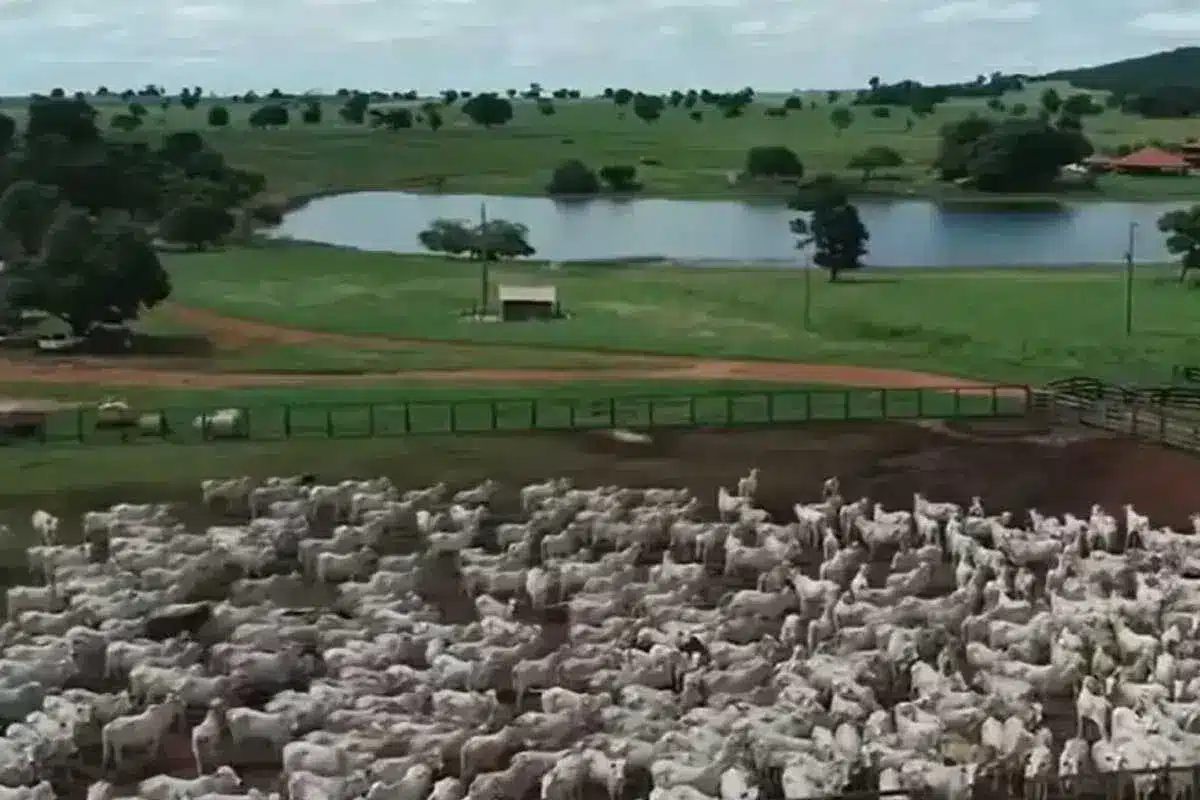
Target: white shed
[527,302]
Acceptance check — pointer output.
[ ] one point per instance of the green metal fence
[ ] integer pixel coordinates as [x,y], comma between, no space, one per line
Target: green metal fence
[500,415]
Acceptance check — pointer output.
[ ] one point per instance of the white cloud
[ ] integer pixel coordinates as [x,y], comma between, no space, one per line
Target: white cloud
[230,45]
[1174,23]
[981,11]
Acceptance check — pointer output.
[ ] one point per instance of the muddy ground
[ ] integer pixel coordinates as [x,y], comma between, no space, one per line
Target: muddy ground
[1011,465]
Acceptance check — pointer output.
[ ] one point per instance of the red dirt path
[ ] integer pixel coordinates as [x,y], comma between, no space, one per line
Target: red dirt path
[235,334]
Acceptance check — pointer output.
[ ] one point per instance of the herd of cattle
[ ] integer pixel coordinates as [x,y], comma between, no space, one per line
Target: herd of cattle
[619,643]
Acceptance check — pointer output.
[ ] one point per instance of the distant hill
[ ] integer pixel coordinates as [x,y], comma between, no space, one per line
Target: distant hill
[1179,67]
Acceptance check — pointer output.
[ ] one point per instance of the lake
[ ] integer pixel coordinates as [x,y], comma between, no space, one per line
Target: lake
[903,232]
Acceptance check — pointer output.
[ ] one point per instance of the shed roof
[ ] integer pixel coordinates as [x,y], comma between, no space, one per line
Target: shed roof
[1152,157]
[527,294]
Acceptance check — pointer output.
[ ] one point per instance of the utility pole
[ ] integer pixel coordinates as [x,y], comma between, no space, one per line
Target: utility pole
[485,253]
[807,290]
[1129,256]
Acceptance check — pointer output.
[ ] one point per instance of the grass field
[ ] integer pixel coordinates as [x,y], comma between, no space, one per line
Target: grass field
[1002,324]
[693,159]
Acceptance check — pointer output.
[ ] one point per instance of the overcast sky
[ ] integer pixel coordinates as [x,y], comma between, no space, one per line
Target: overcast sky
[296,45]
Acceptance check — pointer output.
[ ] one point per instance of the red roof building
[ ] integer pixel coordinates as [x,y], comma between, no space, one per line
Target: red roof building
[1151,160]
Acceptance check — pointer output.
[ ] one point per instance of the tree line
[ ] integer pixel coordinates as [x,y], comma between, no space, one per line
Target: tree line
[79,214]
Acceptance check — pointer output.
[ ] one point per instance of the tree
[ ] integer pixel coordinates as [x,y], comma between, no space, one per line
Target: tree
[573,177]
[125,122]
[1011,155]
[1018,109]
[272,115]
[881,112]
[490,241]
[488,109]
[647,107]
[1183,237]
[1081,104]
[773,161]
[311,115]
[1051,101]
[842,118]
[794,103]
[875,158]
[433,118]
[218,116]
[88,272]
[620,177]
[546,108]
[8,133]
[196,224]
[622,97]
[354,110]
[833,228]
[395,119]
[27,210]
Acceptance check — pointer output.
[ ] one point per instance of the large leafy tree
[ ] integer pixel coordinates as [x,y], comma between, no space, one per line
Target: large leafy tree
[488,109]
[1012,155]
[76,211]
[832,227]
[1183,237]
[490,241]
[90,271]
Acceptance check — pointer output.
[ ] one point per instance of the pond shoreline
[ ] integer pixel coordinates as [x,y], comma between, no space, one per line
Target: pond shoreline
[721,233]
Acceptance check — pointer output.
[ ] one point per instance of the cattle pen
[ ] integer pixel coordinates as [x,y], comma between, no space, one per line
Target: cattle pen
[712,410]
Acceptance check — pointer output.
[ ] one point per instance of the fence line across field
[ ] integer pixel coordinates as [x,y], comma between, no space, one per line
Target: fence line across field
[515,415]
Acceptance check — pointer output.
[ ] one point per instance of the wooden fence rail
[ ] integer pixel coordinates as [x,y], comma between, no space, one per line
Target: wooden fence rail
[495,415]
[1168,419]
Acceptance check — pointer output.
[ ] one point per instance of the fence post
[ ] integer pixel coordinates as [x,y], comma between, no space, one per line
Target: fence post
[571,415]
[287,421]
[846,404]
[995,402]
[883,403]
[79,425]
[533,414]
[650,411]
[692,410]
[612,412]
[328,422]
[1162,427]
[728,411]
[408,417]
[371,420]
[453,417]
[1133,420]
[495,415]
[957,403]
[771,407]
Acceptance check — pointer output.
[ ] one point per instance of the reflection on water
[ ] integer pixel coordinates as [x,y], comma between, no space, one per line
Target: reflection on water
[903,232]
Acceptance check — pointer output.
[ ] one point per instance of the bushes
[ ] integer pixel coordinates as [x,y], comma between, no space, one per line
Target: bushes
[773,161]
[573,177]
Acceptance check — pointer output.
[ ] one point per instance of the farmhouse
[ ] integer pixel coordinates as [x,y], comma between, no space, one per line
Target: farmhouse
[519,303]
[1152,161]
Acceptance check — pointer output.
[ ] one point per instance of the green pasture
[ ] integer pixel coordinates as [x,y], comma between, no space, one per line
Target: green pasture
[676,156]
[1002,324]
